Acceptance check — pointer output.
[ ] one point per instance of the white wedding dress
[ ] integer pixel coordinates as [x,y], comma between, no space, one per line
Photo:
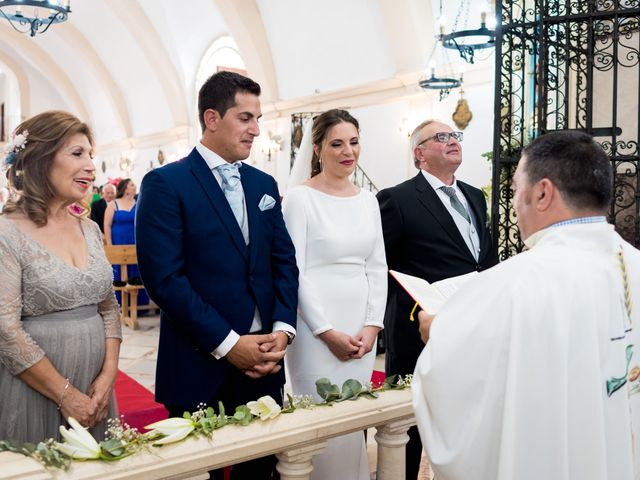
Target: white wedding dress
[343,285]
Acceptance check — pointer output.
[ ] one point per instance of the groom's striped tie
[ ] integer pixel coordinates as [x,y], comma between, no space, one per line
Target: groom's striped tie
[232,188]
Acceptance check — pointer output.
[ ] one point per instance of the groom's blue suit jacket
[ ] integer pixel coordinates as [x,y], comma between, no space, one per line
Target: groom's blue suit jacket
[196,266]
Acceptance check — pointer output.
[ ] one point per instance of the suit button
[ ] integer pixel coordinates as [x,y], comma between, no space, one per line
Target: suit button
[477,268]
[251,278]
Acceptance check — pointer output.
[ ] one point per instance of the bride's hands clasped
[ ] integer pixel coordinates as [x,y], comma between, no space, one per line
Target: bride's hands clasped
[343,346]
[367,338]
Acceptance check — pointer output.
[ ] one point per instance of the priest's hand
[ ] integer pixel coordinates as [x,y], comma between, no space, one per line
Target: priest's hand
[367,336]
[247,356]
[425,324]
[340,344]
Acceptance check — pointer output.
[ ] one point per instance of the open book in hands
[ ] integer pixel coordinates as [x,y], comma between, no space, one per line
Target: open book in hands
[430,296]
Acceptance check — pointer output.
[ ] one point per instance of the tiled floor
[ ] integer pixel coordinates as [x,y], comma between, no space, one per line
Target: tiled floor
[138,355]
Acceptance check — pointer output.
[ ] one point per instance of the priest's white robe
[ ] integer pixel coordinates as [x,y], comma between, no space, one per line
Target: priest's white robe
[532,369]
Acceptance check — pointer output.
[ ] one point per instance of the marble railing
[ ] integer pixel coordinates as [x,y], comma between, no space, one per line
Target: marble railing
[295,438]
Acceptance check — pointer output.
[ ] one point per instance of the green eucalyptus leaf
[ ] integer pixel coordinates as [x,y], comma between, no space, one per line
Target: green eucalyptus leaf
[243,415]
[186,415]
[327,390]
[210,412]
[391,382]
[369,393]
[350,389]
[113,447]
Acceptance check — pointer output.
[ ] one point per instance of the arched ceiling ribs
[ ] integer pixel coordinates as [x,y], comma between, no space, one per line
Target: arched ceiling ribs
[50,70]
[133,17]
[23,83]
[74,37]
[244,21]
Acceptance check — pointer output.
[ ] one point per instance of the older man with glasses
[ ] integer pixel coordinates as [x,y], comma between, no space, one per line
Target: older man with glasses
[435,227]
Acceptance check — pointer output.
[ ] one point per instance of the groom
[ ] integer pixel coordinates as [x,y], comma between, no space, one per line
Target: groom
[215,255]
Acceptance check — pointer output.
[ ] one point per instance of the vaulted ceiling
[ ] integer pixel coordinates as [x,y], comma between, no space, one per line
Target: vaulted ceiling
[129,66]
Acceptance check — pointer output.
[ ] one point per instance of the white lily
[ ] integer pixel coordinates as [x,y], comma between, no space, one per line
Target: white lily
[79,443]
[174,429]
[265,408]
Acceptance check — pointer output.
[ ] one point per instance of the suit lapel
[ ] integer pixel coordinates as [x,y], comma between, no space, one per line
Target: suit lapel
[251,198]
[204,176]
[430,200]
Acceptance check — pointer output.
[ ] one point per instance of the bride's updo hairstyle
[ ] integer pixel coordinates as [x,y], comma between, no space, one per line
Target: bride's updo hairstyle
[321,125]
[29,167]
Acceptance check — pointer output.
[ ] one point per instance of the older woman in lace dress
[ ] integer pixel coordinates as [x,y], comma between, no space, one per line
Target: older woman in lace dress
[59,326]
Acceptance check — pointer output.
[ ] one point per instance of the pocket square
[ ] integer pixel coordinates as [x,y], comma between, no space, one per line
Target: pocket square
[266,203]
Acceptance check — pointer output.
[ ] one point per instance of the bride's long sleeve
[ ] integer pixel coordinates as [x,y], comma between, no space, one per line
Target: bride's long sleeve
[309,306]
[376,271]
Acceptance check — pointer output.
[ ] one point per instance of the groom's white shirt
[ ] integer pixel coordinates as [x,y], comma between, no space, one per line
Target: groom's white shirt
[213,160]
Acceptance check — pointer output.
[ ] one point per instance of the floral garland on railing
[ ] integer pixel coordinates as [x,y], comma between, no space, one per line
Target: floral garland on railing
[122,440]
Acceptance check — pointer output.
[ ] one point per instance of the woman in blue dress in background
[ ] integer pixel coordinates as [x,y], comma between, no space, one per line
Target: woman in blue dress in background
[119,229]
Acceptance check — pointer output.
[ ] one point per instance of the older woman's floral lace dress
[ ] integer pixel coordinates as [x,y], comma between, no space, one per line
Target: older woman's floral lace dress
[50,308]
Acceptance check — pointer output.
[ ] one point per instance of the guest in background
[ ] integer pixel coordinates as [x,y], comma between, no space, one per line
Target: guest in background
[119,229]
[98,207]
[119,217]
[335,227]
[59,323]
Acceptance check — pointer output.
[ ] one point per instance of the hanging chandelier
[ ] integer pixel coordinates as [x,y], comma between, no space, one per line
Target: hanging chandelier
[468,41]
[446,80]
[34,16]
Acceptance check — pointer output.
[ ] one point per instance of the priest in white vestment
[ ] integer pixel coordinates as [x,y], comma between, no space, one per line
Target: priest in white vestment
[532,369]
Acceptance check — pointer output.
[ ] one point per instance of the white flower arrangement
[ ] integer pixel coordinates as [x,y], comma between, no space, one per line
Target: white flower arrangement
[17,143]
[123,440]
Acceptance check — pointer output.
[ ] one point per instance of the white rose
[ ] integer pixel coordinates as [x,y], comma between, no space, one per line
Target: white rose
[265,408]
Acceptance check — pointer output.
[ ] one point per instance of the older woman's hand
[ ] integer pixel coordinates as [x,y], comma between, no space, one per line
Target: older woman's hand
[79,406]
[340,344]
[100,392]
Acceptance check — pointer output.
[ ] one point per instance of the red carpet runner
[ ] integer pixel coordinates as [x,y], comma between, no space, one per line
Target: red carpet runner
[136,403]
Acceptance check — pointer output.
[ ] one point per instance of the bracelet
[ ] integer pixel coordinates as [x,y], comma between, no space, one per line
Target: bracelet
[64,390]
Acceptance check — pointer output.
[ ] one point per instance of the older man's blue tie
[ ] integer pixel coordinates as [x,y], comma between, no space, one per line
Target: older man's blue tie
[232,188]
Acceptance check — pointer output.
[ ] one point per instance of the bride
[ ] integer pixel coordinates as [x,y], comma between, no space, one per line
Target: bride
[336,229]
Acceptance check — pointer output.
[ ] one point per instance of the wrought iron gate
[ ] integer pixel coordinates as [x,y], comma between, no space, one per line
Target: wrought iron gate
[567,64]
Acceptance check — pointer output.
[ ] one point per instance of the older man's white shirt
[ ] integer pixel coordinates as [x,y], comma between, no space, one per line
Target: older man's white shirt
[513,382]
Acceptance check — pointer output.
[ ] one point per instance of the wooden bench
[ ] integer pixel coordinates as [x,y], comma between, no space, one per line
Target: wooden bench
[123,255]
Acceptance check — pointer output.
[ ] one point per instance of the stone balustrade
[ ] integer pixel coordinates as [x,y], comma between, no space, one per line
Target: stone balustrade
[295,438]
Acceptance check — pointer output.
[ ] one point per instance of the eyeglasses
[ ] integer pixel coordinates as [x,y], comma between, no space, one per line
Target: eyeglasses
[443,137]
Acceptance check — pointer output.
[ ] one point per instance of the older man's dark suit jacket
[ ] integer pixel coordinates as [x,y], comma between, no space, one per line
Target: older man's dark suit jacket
[421,239]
